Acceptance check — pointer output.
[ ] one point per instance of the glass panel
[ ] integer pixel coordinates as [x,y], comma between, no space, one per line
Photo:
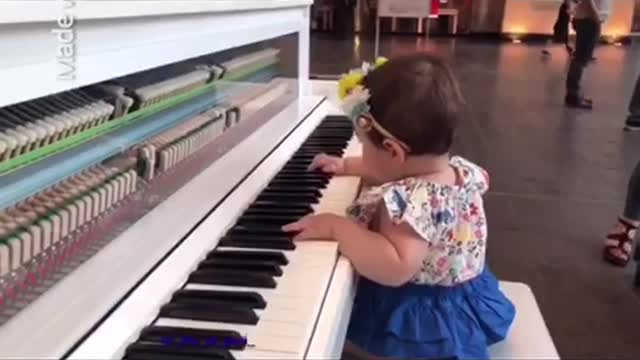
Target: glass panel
[79,168]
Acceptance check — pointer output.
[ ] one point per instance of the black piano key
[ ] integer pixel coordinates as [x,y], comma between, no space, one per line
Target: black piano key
[318,151]
[268,218]
[293,190]
[270,204]
[318,182]
[212,311]
[258,237]
[307,157]
[303,168]
[248,299]
[233,278]
[169,335]
[338,119]
[259,244]
[262,266]
[308,174]
[298,213]
[321,148]
[139,350]
[331,135]
[326,143]
[275,256]
[305,160]
[296,198]
[272,232]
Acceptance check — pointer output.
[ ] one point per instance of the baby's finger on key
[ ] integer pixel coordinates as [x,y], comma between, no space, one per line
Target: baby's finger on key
[318,162]
[292,227]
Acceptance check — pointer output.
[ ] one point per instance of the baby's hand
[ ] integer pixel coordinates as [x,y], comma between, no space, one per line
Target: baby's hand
[314,227]
[327,163]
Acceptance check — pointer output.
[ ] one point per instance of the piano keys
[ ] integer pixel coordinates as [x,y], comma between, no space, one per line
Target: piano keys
[257,281]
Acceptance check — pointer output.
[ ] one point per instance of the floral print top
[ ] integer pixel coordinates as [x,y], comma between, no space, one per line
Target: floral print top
[450,218]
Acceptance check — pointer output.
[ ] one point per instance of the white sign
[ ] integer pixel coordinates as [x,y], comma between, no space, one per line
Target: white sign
[404,8]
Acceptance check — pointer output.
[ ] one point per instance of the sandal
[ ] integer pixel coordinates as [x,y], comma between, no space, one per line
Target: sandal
[617,249]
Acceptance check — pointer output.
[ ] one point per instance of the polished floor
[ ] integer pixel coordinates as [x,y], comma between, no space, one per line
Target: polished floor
[558,176]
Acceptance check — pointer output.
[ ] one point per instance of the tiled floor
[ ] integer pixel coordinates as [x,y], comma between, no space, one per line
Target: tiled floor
[558,176]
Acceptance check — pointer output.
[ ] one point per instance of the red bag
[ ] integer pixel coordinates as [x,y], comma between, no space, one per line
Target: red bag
[435,7]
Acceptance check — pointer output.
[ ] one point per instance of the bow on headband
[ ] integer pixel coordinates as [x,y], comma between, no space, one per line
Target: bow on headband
[353,94]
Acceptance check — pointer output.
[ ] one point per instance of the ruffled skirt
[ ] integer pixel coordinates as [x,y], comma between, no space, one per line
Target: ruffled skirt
[433,322]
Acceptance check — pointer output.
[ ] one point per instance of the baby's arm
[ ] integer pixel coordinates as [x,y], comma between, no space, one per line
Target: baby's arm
[390,257]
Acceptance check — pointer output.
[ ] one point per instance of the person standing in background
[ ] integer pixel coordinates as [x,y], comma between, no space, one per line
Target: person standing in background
[344,24]
[604,10]
[633,120]
[587,21]
[561,27]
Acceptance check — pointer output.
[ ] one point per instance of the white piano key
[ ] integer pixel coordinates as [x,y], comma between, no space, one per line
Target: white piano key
[252,354]
[278,297]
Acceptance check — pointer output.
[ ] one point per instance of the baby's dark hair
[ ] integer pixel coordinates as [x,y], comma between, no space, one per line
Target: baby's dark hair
[418,100]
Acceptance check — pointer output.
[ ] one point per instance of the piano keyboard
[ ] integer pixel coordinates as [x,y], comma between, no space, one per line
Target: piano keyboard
[257,282]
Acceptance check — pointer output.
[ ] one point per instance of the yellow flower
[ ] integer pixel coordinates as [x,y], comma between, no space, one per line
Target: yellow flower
[381,61]
[349,82]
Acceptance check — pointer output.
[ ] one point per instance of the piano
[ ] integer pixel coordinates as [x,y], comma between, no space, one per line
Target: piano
[141,199]
[147,162]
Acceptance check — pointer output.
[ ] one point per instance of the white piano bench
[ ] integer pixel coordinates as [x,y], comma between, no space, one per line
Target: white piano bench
[529,337]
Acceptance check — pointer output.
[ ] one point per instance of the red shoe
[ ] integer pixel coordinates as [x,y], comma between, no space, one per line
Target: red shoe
[618,245]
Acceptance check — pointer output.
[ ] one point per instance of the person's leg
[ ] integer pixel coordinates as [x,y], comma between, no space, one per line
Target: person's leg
[633,120]
[619,242]
[585,42]
[596,41]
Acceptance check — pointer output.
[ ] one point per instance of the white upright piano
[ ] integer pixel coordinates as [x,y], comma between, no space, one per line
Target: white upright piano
[149,153]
